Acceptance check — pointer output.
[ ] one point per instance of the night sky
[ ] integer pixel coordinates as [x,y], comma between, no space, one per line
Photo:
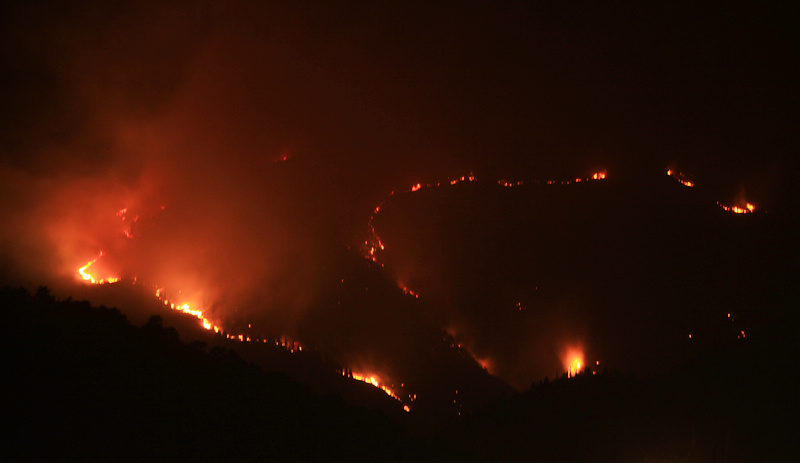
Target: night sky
[250,143]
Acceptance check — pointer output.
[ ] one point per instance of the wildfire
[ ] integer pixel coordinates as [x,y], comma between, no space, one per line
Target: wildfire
[189,309]
[680,177]
[374,381]
[572,361]
[373,244]
[290,346]
[747,209]
[601,175]
[410,292]
[86,276]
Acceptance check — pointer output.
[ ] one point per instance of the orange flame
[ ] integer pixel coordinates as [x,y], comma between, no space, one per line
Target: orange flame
[680,178]
[572,360]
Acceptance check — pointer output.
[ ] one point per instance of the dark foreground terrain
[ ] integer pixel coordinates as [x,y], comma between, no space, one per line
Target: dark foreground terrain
[84,384]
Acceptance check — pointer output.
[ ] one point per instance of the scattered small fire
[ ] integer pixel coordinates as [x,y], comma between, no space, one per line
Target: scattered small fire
[741,208]
[680,177]
[746,209]
[374,244]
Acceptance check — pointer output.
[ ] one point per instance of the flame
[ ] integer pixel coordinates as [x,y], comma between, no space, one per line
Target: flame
[746,209]
[410,292]
[572,360]
[375,382]
[189,308]
[86,276]
[292,347]
[741,208]
[373,244]
[680,177]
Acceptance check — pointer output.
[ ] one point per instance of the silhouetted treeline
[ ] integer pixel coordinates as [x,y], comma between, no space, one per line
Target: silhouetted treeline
[86,385]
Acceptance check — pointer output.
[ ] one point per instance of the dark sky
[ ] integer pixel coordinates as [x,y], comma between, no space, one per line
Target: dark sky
[183,113]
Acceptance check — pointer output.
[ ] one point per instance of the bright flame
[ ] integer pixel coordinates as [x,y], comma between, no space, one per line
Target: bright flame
[187,309]
[372,245]
[86,276]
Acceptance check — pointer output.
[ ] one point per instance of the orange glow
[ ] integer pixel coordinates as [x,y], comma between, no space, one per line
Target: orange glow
[86,274]
[410,293]
[572,360]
